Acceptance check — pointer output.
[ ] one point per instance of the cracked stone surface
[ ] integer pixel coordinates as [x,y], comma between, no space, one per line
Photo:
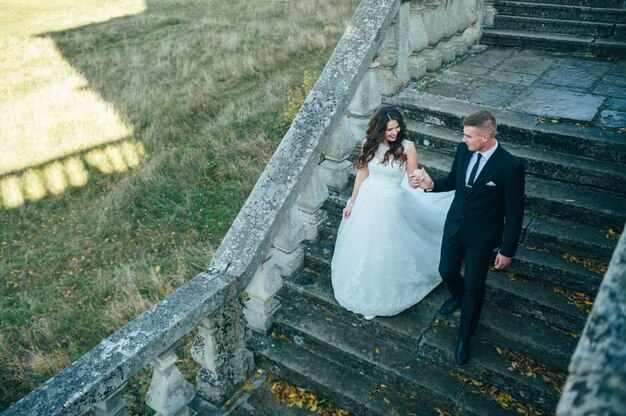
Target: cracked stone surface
[559,103]
[611,118]
[569,87]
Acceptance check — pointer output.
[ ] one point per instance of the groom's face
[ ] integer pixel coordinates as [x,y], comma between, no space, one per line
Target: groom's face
[475,138]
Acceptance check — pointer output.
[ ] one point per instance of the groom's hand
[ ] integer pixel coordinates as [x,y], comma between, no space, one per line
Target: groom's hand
[501,262]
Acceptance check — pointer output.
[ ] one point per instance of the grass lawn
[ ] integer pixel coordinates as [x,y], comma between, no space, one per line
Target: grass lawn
[131,133]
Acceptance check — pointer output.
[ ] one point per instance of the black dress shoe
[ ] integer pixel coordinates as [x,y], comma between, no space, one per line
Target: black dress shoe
[462,352]
[450,306]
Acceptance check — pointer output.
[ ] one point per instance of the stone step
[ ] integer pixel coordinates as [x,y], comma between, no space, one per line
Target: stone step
[564,237]
[508,291]
[555,42]
[256,399]
[371,352]
[567,27]
[531,264]
[541,302]
[488,363]
[497,326]
[566,168]
[593,207]
[578,237]
[561,11]
[342,385]
[515,127]
[612,47]
[554,270]
[368,352]
[616,4]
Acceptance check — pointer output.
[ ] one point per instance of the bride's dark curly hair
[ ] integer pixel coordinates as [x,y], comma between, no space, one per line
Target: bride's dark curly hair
[376,129]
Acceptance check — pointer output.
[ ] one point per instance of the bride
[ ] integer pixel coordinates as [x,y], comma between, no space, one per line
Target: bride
[387,249]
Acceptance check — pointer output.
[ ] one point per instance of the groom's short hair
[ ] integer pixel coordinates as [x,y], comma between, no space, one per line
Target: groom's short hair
[483,120]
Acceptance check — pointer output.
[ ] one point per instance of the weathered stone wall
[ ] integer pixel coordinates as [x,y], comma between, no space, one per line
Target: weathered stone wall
[596,384]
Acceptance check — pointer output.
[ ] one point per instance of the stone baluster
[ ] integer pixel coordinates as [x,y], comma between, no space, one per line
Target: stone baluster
[387,61]
[474,30]
[490,13]
[450,13]
[313,195]
[430,17]
[404,47]
[221,351]
[460,42]
[465,15]
[393,72]
[284,259]
[472,11]
[443,25]
[262,303]
[418,39]
[336,168]
[447,49]
[432,21]
[287,254]
[169,392]
[367,96]
[114,405]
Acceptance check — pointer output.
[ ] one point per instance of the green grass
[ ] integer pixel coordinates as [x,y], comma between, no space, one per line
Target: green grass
[132,132]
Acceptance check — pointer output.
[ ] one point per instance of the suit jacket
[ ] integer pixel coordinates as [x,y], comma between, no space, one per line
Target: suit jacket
[491,212]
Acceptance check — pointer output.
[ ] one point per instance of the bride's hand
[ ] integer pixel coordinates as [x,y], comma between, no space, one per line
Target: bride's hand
[425,182]
[415,178]
[346,212]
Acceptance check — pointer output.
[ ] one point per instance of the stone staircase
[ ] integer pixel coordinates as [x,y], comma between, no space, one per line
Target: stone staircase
[534,311]
[587,26]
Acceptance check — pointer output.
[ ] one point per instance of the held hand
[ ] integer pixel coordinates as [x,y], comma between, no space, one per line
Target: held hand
[425,182]
[501,262]
[346,212]
[416,177]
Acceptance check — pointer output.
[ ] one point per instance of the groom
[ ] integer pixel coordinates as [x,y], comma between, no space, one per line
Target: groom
[486,212]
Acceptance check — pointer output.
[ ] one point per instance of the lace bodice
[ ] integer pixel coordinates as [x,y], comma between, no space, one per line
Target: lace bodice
[386,176]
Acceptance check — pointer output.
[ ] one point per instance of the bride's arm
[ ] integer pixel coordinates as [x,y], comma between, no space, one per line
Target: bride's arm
[360,177]
[411,162]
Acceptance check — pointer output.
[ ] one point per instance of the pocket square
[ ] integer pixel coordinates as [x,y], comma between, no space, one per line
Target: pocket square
[490,183]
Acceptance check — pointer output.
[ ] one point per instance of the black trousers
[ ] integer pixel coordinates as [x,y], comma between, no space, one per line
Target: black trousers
[470,287]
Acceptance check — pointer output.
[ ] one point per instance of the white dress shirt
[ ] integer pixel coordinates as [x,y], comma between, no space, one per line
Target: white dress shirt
[485,157]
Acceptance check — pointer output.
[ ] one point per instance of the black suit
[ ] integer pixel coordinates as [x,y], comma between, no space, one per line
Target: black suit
[480,219]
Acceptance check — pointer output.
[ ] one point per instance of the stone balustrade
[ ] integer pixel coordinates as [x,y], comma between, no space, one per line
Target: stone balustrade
[387,43]
[596,384]
[95,381]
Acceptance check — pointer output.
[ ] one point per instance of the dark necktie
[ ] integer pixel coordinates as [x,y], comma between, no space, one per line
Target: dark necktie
[472,176]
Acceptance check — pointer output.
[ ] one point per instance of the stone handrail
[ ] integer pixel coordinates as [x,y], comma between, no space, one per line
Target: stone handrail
[99,375]
[386,43]
[596,384]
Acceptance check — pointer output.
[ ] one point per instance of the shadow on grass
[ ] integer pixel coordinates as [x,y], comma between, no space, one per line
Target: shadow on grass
[58,175]
[153,69]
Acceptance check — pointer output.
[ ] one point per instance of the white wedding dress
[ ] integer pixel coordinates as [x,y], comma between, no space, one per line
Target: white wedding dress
[387,252]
